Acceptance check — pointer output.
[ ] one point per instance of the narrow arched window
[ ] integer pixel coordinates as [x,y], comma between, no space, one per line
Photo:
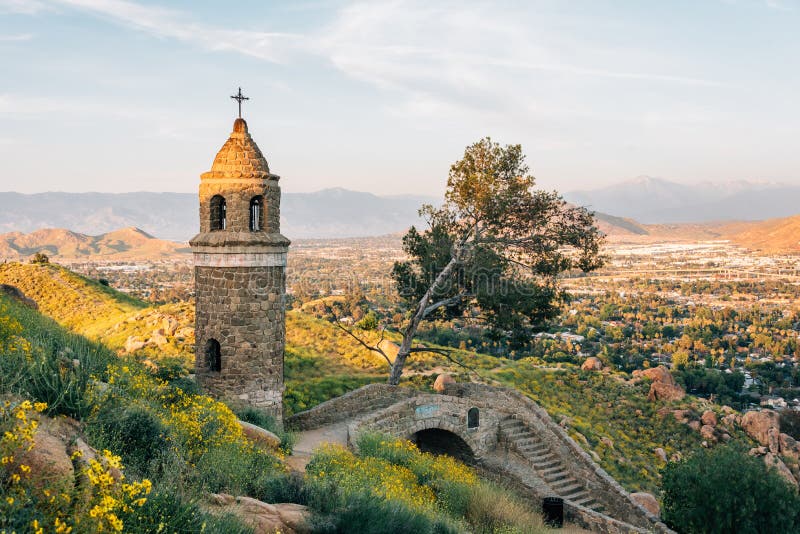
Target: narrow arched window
[218,213]
[256,213]
[473,418]
[213,356]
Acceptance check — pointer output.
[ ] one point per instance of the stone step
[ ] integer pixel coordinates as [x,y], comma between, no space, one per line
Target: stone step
[529,441]
[567,488]
[533,449]
[584,500]
[541,456]
[555,476]
[579,497]
[543,462]
[510,423]
[519,433]
[552,470]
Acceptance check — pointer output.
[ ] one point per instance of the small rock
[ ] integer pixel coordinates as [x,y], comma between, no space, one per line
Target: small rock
[648,502]
[262,517]
[707,432]
[666,392]
[158,339]
[592,363]
[441,382]
[731,420]
[694,425]
[260,435]
[607,442]
[682,416]
[661,454]
[133,343]
[709,418]
[758,451]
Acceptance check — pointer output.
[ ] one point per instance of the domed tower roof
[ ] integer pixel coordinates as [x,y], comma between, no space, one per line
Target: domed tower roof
[239,157]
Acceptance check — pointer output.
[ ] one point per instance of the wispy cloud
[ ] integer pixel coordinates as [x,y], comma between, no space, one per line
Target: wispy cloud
[436,60]
[15,38]
[25,7]
[170,23]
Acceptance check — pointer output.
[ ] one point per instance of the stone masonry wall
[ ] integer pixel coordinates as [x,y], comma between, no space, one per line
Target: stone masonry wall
[349,406]
[243,309]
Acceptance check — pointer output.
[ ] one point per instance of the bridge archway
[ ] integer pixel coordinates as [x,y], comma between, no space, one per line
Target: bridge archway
[439,441]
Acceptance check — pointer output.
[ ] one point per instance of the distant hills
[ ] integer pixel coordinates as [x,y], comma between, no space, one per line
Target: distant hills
[118,245]
[657,201]
[174,216]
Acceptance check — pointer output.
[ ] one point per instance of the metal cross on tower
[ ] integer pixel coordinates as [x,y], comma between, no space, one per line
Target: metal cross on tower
[239,97]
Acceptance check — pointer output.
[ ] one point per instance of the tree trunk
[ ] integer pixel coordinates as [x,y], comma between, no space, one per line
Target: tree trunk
[411,330]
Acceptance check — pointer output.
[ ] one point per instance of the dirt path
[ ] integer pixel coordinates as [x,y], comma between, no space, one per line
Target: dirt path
[309,440]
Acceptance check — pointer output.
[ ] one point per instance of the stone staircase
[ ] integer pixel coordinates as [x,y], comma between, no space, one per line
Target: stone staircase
[547,464]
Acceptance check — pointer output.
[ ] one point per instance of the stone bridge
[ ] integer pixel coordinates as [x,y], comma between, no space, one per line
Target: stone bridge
[504,434]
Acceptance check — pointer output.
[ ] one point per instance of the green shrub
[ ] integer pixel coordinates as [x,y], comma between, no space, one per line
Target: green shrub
[230,469]
[367,514]
[135,433]
[725,490]
[492,509]
[168,511]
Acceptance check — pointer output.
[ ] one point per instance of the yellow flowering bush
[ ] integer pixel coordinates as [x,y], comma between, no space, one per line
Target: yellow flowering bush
[110,494]
[25,507]
[335,466]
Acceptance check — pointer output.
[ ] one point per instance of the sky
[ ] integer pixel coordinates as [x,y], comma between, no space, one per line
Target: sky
[117,95]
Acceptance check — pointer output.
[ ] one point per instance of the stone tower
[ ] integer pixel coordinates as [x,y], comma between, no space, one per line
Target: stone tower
[240,280]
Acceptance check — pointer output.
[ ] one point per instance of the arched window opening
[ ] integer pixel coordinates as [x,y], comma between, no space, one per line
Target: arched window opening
[256,213]
[213,356]
[473,418]
[218,213]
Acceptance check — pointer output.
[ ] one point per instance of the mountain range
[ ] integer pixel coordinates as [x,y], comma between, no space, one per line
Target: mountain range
[323,214]
[656,200]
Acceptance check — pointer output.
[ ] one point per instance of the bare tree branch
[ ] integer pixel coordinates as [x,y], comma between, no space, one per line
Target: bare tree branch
[376,348]
[445,302]
[446,353]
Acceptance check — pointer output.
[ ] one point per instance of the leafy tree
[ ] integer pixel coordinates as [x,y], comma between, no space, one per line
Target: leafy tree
[493,251]
[723,490]
[40,257]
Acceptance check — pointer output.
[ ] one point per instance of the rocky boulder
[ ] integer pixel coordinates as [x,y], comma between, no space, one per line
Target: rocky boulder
[262,517]
[709,418]
[648,502]
[133,343]
[260,435]
[775,462]
[656,374]
[592,363]
[441,382]
[50,465]
[758,425]
[665,392]
[707,433]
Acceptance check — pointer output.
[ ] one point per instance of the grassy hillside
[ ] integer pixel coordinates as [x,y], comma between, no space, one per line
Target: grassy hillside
[608,415]
[75,302]
[165,447]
